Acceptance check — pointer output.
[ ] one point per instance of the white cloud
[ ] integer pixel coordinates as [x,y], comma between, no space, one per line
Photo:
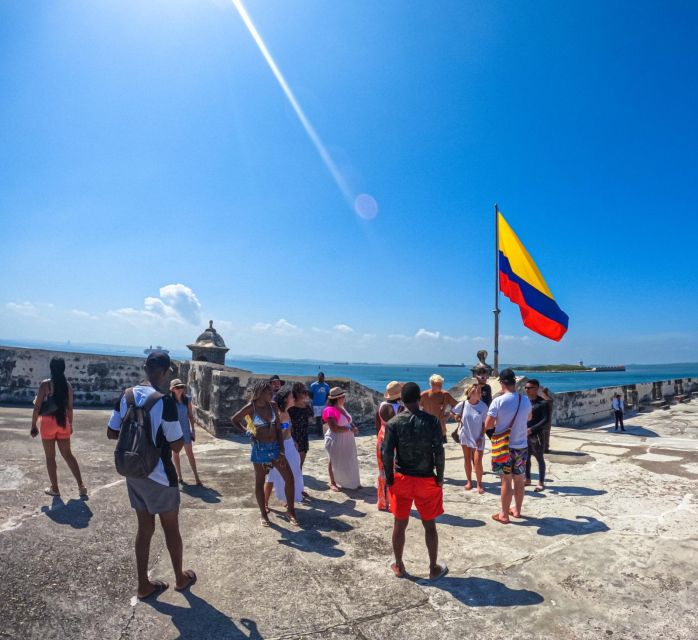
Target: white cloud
[508,338]
[83,314]
[281,327]
[343,328]
[177,303]
[23,308]
[424,333]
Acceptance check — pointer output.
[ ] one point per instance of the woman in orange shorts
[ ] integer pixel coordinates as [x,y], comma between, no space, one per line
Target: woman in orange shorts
[54,405]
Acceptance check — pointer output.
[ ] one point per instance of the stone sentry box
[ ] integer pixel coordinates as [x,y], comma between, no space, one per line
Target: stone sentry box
[218,392]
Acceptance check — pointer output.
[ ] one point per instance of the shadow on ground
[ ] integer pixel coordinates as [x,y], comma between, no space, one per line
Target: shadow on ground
[552,526]
[74,513]
[482,592]
[203,621]
[206,494]
[575,491]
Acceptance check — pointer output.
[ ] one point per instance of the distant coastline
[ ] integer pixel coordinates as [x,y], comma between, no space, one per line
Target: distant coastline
[377,375]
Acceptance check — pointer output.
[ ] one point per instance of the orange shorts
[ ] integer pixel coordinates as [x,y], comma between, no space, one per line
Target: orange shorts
[426,494]
[51,430]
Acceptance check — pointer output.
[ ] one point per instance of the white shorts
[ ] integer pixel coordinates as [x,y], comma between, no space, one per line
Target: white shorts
[317,411]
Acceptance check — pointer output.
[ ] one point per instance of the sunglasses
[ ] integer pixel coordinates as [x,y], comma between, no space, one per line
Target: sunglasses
[527,388]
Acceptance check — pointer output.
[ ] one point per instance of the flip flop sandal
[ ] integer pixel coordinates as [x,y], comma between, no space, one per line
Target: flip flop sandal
[264,523]
[192,581]
[292,520]
[497,518]
[50,492]
[395,564]
[160,587]
[83,492]
[513,515]
[538,489]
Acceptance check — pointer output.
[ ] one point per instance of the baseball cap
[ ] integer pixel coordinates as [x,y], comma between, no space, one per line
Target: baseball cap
[158,360]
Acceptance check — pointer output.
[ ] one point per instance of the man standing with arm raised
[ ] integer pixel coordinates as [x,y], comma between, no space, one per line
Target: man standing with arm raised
[418,474]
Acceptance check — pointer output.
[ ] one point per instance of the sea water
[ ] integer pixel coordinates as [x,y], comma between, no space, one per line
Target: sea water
[377,376]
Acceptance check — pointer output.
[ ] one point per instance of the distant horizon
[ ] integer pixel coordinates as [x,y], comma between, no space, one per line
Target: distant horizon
[136,351]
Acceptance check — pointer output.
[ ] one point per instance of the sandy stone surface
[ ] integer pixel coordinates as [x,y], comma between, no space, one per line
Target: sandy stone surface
[609,550]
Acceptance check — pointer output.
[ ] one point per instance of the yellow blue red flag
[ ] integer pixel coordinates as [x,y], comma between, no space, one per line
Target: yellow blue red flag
[521,282]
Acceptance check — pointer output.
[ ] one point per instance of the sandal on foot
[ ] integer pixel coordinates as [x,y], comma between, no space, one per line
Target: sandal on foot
[481,490]
[334,487]
[292,520]
[513,514]
[498,518]
[158,587]
[192,581]
[83,491]
[50,492]
[264,522]
[539,488]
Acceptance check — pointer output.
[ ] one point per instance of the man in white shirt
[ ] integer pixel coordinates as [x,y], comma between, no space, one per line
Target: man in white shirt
[510,412]
[618,410]
[159,492]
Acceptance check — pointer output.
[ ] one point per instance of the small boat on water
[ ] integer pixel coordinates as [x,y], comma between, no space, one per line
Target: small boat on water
[460,366]
[150,349]
[620,367]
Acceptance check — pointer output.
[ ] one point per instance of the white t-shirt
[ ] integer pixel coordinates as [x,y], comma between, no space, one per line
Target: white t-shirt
[163,414]
[471,422]
[503,409]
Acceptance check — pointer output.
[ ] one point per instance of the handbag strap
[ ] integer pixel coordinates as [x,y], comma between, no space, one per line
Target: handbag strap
[511,424]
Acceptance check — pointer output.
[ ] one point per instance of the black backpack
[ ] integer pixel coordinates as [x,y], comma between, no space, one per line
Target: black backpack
[136,455]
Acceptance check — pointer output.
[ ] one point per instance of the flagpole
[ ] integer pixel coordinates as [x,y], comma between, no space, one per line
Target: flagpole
[496,290]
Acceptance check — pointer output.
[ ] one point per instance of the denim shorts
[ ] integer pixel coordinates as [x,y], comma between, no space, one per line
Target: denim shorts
[264,452]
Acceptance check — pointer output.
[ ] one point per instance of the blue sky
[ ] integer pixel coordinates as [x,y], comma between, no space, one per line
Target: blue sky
[154,175]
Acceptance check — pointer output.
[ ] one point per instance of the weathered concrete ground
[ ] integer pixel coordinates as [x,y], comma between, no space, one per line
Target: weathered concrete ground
[610,550]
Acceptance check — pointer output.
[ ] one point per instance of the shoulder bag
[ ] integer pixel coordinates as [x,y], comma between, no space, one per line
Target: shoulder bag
[500,441]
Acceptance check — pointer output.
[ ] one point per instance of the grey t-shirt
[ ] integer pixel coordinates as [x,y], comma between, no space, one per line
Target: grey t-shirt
[503,409]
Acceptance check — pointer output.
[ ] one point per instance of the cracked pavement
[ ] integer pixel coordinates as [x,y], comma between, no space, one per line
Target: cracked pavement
[610,549]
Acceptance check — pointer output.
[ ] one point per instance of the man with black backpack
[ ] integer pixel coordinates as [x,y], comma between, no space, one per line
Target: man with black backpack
[147,428]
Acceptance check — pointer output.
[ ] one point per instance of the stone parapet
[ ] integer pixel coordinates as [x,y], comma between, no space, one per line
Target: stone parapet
[218,392]
[97,380]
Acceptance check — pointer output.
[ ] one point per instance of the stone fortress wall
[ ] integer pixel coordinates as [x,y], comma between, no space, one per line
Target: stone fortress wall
[98,380]
[219,391]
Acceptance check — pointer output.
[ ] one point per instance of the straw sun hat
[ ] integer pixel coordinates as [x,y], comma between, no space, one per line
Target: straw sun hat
[392,390]
[337,392]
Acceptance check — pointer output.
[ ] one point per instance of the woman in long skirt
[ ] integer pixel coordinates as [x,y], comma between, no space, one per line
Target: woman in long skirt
[340,444]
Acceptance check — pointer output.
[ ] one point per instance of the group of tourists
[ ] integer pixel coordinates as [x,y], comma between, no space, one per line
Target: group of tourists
[411,433]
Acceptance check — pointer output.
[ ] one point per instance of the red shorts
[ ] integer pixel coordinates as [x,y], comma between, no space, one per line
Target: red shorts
[51,430]
[426,494]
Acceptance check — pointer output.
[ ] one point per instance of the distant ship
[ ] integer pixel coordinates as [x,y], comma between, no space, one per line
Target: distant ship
[462,364]
[342,363]
[620,367]
[150,349]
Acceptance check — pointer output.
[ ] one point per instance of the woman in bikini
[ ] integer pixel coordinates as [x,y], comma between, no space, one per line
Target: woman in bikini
[285,402]
[54,404]
[260,418]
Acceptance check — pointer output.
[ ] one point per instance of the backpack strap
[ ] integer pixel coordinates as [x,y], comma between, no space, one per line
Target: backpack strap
[130,397]
[151,400]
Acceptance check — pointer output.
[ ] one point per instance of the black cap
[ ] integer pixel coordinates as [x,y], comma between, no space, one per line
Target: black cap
[275,377]
[507,376]
[158,360]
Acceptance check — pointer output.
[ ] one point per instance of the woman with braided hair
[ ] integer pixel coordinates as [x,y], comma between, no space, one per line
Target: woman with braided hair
[54,404]
[260,419]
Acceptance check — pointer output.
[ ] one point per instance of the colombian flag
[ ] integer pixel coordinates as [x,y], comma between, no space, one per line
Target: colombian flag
[522,283]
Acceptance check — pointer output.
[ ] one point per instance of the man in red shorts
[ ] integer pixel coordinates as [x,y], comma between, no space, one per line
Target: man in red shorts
[413,459]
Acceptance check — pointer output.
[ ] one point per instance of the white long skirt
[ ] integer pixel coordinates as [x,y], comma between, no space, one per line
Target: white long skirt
[294,461]
[341,450]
